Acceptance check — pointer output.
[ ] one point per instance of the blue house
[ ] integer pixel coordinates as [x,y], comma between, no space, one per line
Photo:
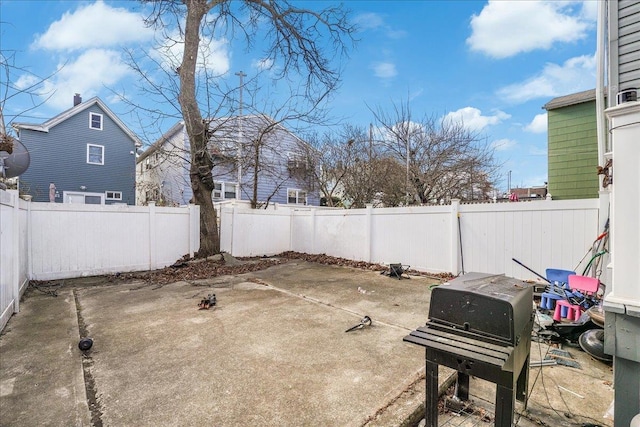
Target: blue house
[255,159]
[83,155]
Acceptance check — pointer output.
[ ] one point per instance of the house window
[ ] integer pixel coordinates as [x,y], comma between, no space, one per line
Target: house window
[93,200]
[114,195]
[296,197]
[95,154]
[95,121]
[224,190]
[296,161]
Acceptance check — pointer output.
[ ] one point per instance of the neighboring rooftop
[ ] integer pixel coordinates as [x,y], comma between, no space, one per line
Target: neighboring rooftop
[573,99]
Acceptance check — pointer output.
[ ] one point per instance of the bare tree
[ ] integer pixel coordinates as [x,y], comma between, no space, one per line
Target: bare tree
[330,158]
[443,159]
[17,81]
[30,86]
[296,38]
[353,170]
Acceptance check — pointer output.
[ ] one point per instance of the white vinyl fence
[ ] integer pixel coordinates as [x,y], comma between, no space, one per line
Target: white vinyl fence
[51,241]
[478,237]
[13,254]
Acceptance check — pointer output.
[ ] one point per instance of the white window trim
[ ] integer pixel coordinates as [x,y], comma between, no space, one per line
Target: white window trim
[223,191]
[91,121]
[88,152]
[298,190]
[116,195]
[67,194]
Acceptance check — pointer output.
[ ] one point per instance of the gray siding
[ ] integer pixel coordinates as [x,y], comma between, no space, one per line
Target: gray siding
[60,156]
[624,46]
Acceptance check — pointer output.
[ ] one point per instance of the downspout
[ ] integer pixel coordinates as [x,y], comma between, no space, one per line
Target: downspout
[600,76]
[604,153]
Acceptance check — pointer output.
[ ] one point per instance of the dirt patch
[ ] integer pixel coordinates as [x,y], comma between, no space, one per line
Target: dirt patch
[197,269]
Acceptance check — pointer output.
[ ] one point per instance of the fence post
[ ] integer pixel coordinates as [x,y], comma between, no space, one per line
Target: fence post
[290,228]
[15,285]
[29,226]
[455,237]
[152,236]
[313,230]
[368,233]
[232,228]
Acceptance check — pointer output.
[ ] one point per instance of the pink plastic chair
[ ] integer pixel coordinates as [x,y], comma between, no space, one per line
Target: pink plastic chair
[583,284]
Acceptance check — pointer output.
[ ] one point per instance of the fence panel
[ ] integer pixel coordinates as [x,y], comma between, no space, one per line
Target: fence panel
[7,257]
[478,237]
[418,236]
[251,232]
[13,253]
[69,240]
[540,234]
[341,233]
[172,236]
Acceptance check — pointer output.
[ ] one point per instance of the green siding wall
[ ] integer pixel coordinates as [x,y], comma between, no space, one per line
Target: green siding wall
[573,152]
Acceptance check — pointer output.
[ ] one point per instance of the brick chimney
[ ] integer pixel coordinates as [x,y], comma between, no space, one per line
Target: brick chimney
[77,99]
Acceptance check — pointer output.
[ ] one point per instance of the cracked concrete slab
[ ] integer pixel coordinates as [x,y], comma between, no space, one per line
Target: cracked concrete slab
[273,351]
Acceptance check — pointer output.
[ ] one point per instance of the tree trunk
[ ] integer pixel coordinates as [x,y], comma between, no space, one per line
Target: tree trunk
[201,162]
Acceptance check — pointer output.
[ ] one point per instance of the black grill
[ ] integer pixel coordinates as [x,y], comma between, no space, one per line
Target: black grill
[480,325]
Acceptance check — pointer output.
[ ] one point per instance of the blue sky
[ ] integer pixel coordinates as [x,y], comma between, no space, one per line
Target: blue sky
[493,64]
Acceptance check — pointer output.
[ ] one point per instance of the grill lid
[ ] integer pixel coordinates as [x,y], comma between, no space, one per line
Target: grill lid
[495,306]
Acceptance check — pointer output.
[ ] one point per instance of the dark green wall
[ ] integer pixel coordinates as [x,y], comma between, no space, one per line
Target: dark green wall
[573,152]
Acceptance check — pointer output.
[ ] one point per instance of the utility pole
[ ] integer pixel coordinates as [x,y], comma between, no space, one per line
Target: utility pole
[239,190]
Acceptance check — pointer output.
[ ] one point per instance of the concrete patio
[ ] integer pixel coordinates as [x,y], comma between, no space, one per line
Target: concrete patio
[272,352]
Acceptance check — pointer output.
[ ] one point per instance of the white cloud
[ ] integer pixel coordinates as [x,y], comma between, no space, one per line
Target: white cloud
[575,75]
[506,28]
[503,144]
[374,21]
[368,20]
[473,119]
[87,75]
[538,124]
[262,64]
[25,81]
[94,26]
[590,10]
[214,56]
[385,70]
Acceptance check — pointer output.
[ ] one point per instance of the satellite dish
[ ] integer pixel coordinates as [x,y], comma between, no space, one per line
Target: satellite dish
[14,161]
